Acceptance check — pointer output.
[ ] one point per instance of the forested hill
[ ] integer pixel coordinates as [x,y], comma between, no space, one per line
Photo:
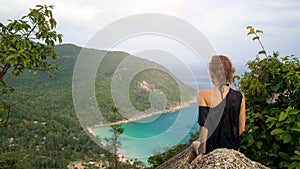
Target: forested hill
[44,131]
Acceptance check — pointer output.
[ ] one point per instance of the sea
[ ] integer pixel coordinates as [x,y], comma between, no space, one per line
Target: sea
[154,135]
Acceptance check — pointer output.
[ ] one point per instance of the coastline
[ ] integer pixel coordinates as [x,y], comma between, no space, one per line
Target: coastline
[140,117]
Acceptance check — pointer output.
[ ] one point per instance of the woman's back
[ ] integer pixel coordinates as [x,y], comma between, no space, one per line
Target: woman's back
[221,119]
[221,111]
[212,97]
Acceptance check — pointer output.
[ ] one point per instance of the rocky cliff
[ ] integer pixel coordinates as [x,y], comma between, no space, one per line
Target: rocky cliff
[219,158]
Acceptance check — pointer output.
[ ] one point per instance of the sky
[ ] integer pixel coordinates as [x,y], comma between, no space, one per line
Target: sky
[223,23]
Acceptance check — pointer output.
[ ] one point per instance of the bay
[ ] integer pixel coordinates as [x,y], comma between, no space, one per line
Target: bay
[144,138]
[153,135]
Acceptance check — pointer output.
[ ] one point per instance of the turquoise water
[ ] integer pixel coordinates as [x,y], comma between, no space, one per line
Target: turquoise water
[144,138]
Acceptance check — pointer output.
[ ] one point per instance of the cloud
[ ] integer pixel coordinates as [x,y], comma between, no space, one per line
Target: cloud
[223,22]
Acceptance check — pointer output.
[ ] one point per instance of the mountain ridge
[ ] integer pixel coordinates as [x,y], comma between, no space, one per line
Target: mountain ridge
[44,124]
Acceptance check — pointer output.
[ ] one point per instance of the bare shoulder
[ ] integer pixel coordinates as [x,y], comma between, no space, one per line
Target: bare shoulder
[204,92]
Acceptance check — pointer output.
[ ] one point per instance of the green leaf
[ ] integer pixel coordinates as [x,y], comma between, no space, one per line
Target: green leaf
[275,87]
[39,6]
[259,144]
[236,77]
[291,118]
[10,57]
[287,138]
[255,38]
[12,49]
[297,129]
[283,164]
[294,111]
[282,116]
[295,157]
[251,31]
[276,131]
[249,27]
[58,68]
[52,23]
[271,119]
[51,76]
[262,52]
[12,90]
[2,108]
[283,155]
[294,164]
[259,31]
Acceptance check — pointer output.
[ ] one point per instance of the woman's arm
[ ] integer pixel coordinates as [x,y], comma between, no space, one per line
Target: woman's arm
[203,138]
[242,117]
[203,130]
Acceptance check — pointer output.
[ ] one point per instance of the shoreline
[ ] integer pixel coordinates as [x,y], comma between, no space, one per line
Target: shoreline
[170,110]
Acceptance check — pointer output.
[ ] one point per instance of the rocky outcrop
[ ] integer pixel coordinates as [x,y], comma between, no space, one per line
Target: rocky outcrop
[219,158]
[176,161]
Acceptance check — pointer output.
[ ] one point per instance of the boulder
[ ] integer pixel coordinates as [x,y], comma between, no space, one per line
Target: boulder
[219,158]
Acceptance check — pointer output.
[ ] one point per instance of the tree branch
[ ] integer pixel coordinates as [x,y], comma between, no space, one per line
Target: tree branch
[4,70]
[8,107]
[32,29]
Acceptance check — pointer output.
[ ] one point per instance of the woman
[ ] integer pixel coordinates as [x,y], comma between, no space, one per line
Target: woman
[221,111]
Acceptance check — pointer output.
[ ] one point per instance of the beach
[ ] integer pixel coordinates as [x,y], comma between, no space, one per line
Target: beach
[143,116]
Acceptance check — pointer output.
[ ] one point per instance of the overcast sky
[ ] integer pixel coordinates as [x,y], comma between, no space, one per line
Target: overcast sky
[223,23]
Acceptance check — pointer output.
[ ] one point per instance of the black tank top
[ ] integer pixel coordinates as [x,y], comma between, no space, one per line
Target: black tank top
[222,122]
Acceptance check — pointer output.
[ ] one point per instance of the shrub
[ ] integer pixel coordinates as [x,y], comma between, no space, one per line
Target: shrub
[272,91]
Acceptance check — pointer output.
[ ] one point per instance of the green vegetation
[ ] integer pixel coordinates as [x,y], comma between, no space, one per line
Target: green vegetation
[25,44]
[43,130]
[158,159]
[140,98]
[156,78]
[113,144]
[272,90]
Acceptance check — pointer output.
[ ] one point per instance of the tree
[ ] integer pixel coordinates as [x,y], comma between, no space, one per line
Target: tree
[8,164]
[27,44]
[272,91]
[116,130]
[113,143]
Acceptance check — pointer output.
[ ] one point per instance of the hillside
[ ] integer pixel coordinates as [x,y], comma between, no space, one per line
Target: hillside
[44,131]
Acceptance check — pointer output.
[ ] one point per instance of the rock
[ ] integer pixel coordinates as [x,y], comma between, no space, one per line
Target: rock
[219,158]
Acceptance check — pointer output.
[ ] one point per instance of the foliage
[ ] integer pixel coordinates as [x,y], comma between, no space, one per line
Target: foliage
[45,125]
[27,43]
[114,142]
[117,130]
[43,130]
[159,78]
[158,159]
[272,91]
[9,163]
